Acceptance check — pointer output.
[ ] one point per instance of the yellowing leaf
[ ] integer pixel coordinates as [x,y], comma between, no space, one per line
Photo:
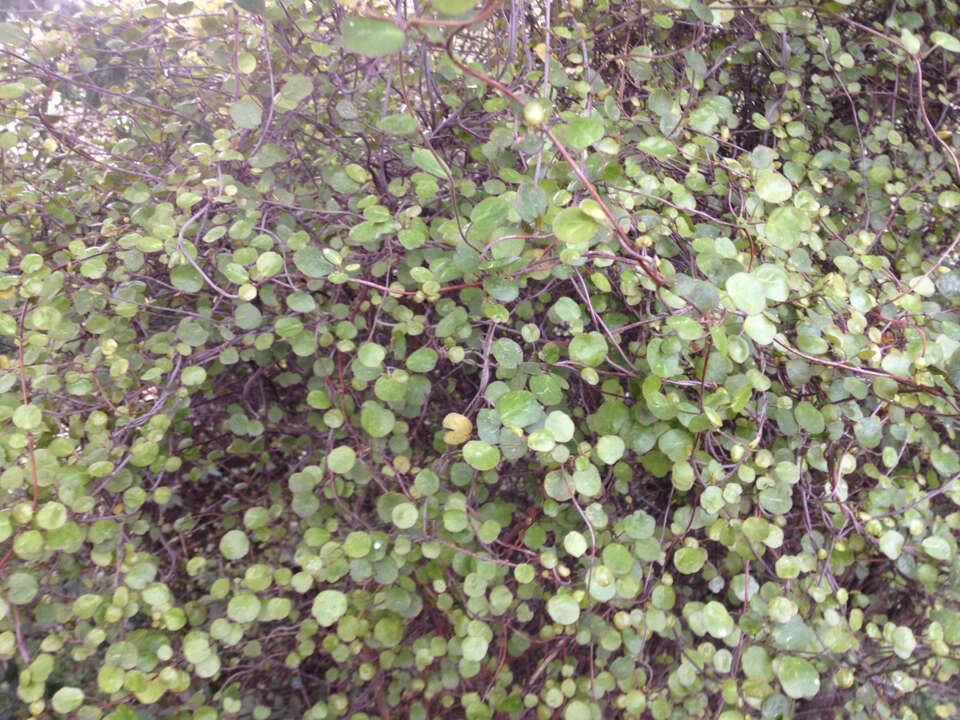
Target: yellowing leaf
[459,427]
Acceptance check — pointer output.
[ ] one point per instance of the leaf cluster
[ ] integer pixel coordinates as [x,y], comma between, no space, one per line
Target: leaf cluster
[502,360]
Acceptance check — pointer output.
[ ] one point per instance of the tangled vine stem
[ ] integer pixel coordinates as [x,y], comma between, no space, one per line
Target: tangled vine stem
[364,388]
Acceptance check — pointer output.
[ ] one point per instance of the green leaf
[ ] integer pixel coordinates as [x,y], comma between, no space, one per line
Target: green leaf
[575,543]
[246,63]
[329,606]
[541,441]
[243,608]
[186,279]
[618,558]
[247,316]
[27,417]
[22,588]
[760,330]
[682,475]
[455,520]
[486,217]
[904,643]
[453,7]
[717,620]
[560,426]
[405,515]
[610,449]
[372,37]
[948,199]
[945,460]
[776,287]
[399,124]
[357,544]
[246,114]
[376,420]
[773,187]
[474,648]
[589,349]
[587,481]
[573,227]
[937,548]
[311,262]
[519,408]
[787,567]
[530,201]
[268,156]
[946,41]
[689,560]
[427,161]
[234,545]
[342,459]
[809,418]
[254,6]
[563,608]
[296,89]
[110,678]
[868,431]
[389,631]
[45,318]
[747,292]
[583,132]
[798,677]
[67,699]
[783,227]
[423,360]
[269,263]
[371,355]
[193,376]
[196,648]
[711,499]
[911,42]
[508,353]
[481,455]
[51,516]
[11,91]
[891,544]
[659,147]
[11,34]
[578,710]
[782,609]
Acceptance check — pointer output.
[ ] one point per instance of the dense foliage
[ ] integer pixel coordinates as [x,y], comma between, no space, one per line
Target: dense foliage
[434,359]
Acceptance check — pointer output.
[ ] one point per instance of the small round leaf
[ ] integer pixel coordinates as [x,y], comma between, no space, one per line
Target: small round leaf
[798,677]
[481,455]
[563,608]
[234,545]
[329,606]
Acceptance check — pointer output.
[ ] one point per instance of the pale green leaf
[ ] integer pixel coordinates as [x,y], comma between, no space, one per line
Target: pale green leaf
[563,608]
[372,37]
[329,606]
[589,349]
[945,40]
[747,292]
[573,226]
[453,7]
[773,187]
[891,544]
[67,699]
[583,132]
[246,114]
[798,677]
[481,455]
